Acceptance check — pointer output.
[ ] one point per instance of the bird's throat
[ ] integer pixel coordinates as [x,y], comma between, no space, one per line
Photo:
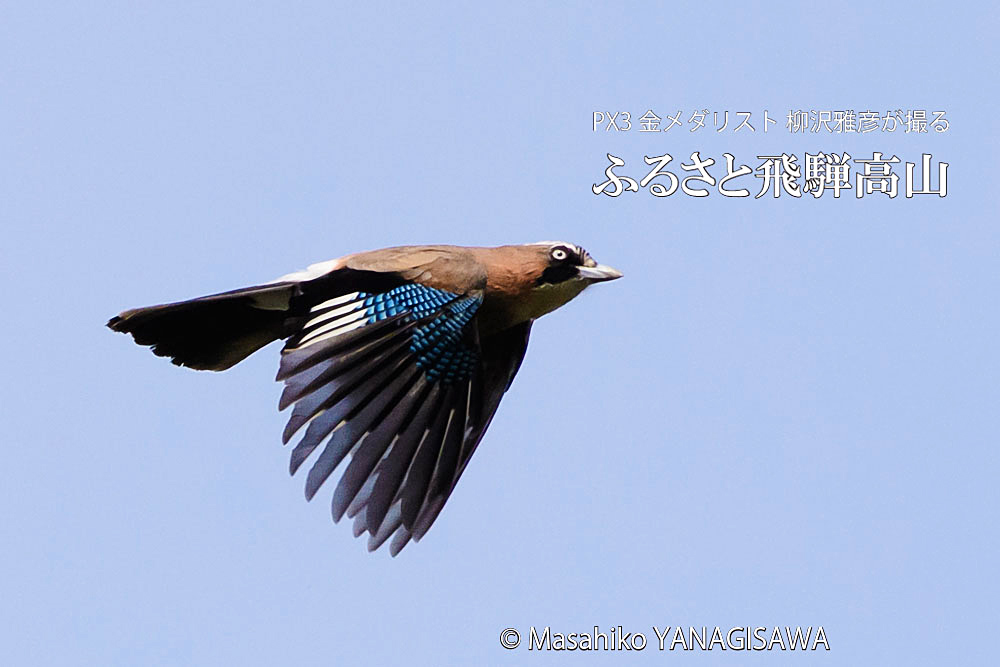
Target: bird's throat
[500,312]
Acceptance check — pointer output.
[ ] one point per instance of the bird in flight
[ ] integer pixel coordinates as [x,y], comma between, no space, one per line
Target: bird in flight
[398,357]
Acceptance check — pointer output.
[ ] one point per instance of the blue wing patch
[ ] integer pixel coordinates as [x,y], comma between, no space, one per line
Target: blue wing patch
[416,300]
[441,352]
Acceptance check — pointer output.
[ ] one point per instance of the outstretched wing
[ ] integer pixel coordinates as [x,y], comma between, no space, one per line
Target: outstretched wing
[384,363]
[400,381]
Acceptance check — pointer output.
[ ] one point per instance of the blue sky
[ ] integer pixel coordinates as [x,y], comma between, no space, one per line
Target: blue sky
[785,414]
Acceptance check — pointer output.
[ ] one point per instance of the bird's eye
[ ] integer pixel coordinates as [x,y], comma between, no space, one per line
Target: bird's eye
[559,254]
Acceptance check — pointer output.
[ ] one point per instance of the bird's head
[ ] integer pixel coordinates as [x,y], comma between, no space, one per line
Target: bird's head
[537,278]
[569,263]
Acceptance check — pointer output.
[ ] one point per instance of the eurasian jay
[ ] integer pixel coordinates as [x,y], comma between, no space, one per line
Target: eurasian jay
[398,357]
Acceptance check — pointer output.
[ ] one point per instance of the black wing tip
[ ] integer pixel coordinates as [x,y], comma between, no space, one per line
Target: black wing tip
[311,492]
[118,323]
[291,428]
[401,539]
[338,507]
[284,370]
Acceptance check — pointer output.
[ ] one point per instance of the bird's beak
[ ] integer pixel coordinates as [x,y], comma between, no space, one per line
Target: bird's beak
[599,273]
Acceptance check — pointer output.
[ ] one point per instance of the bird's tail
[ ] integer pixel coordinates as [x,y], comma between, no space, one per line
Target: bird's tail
[212,332]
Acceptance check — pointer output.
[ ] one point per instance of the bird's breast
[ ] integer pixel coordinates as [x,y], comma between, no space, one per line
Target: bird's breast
[501,310]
